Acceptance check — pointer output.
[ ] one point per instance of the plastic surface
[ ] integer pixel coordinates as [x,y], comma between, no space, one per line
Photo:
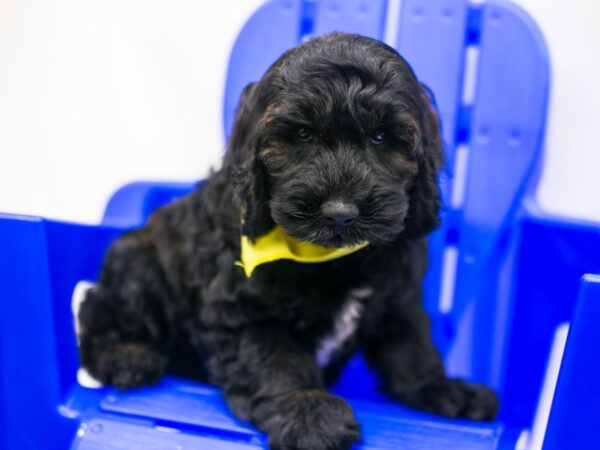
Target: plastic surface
[132,204]
[155,413]
[432,36]
[551,258]
[502,275]
[273,29]
[505,140]
[40,263]
[577,388]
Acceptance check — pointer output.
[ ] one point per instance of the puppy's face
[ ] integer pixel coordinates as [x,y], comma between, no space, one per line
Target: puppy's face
[340,145]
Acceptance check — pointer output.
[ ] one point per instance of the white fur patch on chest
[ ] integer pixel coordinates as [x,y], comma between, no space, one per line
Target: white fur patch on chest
[345,325]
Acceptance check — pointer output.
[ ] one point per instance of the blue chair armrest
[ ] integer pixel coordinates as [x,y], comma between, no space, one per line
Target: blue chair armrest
[575,410]
[131,205]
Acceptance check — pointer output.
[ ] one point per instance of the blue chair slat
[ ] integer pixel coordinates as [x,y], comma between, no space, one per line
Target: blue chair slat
[187,404]
[353,16]
[110,433]
[506,137]
[431,36]
[272,30]
[573,421]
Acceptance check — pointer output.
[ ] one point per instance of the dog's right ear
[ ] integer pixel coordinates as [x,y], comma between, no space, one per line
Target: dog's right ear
[245,167]
[241,134]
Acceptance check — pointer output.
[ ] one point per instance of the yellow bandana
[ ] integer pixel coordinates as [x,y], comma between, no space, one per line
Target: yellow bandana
[277,244]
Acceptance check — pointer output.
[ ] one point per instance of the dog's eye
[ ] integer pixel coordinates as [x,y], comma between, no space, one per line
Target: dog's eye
[304,134]
[378,137]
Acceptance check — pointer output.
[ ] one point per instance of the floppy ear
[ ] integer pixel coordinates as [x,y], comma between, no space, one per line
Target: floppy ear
[256,213]
[245,167]
[424,196]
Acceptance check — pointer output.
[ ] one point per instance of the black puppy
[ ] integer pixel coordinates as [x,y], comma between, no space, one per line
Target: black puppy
[336,149]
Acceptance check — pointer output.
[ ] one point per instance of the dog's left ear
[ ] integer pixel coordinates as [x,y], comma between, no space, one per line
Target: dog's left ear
[424,197]
[246,168]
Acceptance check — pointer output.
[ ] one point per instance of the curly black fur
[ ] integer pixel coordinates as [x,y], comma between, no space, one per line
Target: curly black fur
[339,118]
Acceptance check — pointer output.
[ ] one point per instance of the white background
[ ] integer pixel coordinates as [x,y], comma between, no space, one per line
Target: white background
[94,94]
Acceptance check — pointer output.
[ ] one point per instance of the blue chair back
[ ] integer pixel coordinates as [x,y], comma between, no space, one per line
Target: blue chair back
[487,66]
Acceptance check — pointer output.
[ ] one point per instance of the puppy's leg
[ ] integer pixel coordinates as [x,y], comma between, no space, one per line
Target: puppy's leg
[410,367]
[123,321]
[270,380]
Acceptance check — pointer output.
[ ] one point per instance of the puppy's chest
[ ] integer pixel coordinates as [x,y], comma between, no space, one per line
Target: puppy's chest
[340,335]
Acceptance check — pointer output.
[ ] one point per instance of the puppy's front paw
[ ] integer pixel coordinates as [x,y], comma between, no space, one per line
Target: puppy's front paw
[130,365]
[456,398]
[313,420]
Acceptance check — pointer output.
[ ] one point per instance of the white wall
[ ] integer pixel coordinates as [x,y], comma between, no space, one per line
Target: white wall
[570,182]
[94,94]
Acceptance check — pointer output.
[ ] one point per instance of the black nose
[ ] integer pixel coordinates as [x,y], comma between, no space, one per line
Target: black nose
[342,214]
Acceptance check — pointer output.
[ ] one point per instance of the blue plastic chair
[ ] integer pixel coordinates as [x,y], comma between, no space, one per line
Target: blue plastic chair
[503,278]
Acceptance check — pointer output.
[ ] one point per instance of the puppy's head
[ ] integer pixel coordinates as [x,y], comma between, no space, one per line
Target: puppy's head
[338,144]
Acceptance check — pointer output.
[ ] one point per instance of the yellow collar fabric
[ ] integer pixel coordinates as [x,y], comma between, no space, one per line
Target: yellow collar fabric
[277,244]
